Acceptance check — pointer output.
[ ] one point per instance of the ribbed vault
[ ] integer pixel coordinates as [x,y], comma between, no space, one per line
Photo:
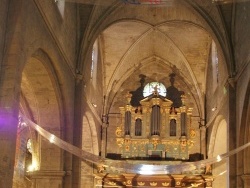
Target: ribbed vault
[131,48]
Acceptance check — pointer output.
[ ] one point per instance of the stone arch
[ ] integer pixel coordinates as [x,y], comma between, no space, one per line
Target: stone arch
[89,134]
[90,144]
[41,97]
[219,145]
[216,124]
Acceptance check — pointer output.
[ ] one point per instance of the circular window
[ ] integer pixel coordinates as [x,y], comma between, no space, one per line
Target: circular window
[150,88]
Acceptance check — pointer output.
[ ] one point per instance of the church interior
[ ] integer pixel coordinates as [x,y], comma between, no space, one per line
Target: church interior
[124,93]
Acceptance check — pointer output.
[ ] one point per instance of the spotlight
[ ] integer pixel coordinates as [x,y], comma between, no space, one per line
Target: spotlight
[52,138]
[214,108]
[32,167]
[218,158]
[146,170]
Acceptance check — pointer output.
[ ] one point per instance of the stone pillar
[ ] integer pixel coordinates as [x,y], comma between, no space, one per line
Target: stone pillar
[4,7]
[246,180]
[203,141]
[77,131]
[232,130]
[11,60]
[8,131]
[42,179]
[104,140]
[104,132]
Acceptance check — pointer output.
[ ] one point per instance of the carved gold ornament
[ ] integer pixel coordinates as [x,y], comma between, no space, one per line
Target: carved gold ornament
[153,184]
[192,133]
[100,168]
[99,182]
[183,142]
[165,184]
[120,141]
[141,183]
[129,182]
[127,148]
[111,183]
[183,148]
[118,131]
[190,143]
[195,184]
[209,183]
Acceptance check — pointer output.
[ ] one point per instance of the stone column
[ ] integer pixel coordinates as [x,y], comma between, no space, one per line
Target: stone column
[232,130]
[10,78]
[203,141]
[104,140]
[77,131]
[8,131]
[104,132]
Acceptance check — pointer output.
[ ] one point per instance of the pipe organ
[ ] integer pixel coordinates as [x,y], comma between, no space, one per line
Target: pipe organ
[155,129]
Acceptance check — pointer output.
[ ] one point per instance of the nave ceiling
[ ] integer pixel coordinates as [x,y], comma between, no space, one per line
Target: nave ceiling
[154,41]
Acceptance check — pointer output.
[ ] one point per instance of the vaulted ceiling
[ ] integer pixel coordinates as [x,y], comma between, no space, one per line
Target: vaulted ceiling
[155,40]
[131,48]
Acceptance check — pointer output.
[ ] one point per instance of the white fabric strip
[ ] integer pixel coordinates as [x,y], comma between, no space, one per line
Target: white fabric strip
[129,166]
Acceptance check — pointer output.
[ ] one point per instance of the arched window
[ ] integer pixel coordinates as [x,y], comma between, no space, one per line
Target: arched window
[94,61]
[61,6]
[172,127]
[215,64]
[138,127]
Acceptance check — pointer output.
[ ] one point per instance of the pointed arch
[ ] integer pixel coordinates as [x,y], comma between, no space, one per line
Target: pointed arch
[219,145]
[244,156]
[41,101]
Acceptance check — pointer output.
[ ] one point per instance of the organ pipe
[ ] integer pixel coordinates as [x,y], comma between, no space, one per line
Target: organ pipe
[155,120]
[183,123]
[127,122]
